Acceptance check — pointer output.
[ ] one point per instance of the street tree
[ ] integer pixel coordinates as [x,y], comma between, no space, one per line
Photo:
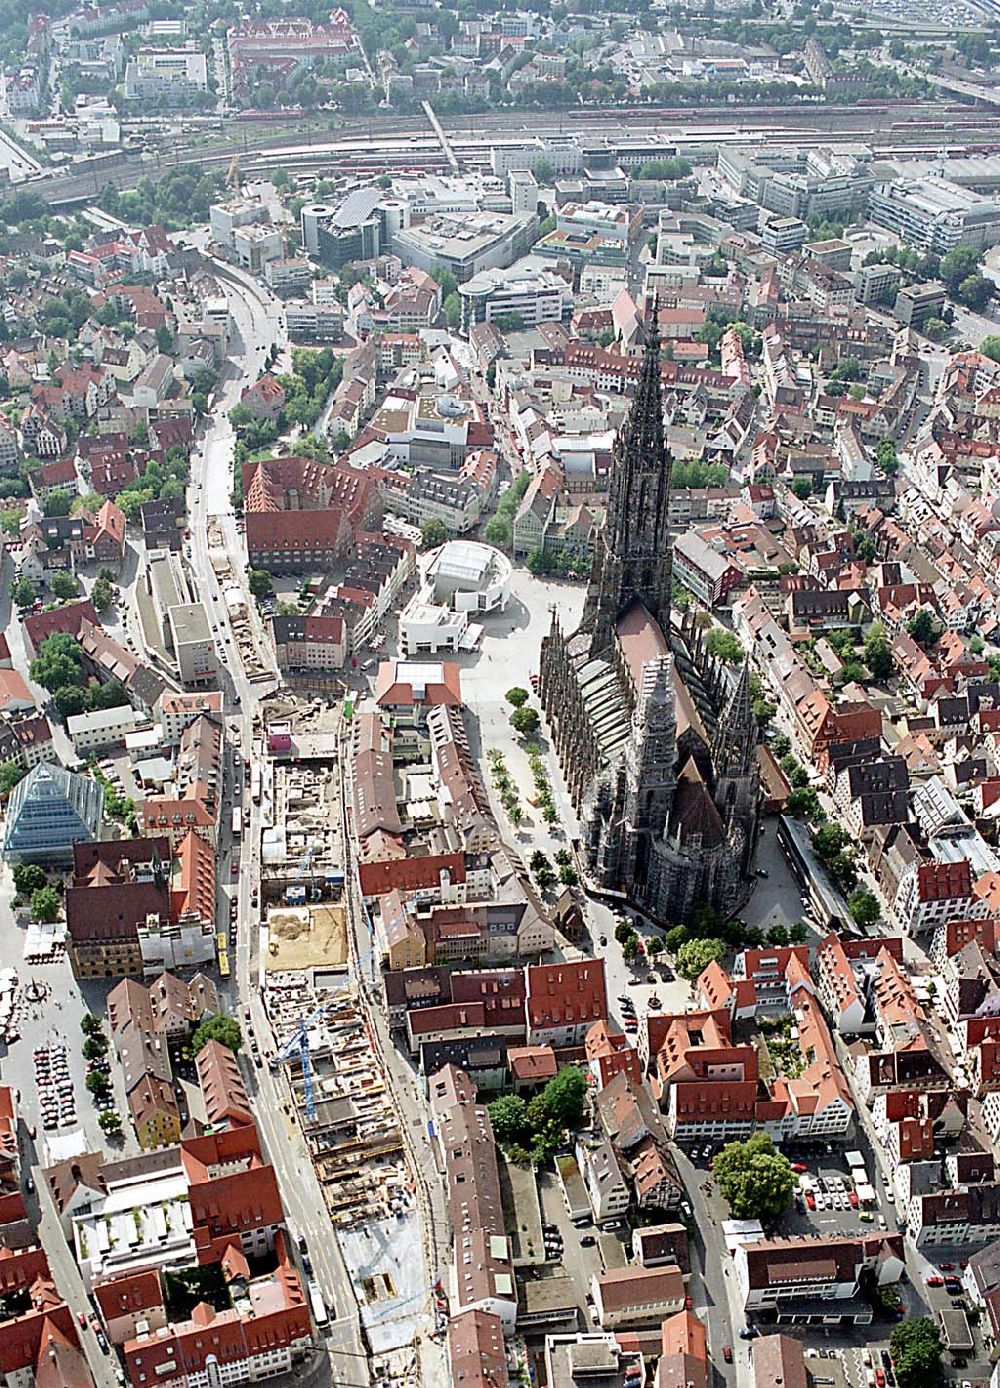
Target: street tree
[864,909]
[220,1028]
[915,1346]
[102,594]
[23,592]
[63,585]
[45,905]
[110,1123]
[756,1180]
[696,955]
[95,1047]
[433,532]
[58,504]
[260,584]
[98,1083]
[804,804]
[676,936]
[71,700]
[525,721]
[878,652]
[58,662]
[923,628]
[517,697]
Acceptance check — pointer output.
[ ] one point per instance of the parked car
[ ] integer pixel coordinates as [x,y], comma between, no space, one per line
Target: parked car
[727,1353]
[588,1241]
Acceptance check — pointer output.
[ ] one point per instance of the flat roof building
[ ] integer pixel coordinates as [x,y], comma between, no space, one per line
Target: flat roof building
[466,243]
[935,213]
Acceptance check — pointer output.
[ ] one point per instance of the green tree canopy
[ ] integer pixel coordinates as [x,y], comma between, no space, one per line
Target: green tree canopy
[864,908]
[433,532]
[676,936]
[915,1346]
[23,592]
[724,645]
[63,585]
[218,1027]
[990,347]
[58,504]
[923,628]
[757,1180]
[564,1096]
[10,774]
[102,594]
[958,265]
[260,583]
[452,308]
[525,721]
[878,652]
[509,1116]
[696,955]
[45,904]
[28,878]
[58,662]
[517,696]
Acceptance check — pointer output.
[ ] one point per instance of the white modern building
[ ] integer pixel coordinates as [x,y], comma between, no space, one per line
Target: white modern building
[427,628]
[521,293]
[166,76]
[469,577]
[466,243]
[936,214]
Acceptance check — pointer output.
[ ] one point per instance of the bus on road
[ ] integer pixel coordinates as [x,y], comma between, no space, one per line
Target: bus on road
[237,822]
[255,784]
[320,1314]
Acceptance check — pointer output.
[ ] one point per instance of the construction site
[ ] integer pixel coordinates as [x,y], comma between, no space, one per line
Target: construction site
[302,857]
[247,640]
[349,1124]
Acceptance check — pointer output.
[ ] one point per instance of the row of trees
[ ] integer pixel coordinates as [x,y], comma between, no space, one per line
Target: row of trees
[499,528]
[524,720]
[505,787]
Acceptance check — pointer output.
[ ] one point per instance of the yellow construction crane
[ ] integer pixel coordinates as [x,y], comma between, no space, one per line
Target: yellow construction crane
[233,176]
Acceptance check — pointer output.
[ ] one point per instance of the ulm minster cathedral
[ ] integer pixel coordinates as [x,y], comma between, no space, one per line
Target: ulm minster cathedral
[657,740]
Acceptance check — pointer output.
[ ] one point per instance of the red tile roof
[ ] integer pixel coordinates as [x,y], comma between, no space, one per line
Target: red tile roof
[566,994]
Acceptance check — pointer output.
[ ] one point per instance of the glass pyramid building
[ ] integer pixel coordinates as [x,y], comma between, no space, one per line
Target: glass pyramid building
[49,811]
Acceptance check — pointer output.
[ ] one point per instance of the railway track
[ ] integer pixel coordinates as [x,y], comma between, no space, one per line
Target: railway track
[400,145]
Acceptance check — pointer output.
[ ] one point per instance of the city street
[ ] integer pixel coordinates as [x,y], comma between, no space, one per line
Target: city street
[256,317]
